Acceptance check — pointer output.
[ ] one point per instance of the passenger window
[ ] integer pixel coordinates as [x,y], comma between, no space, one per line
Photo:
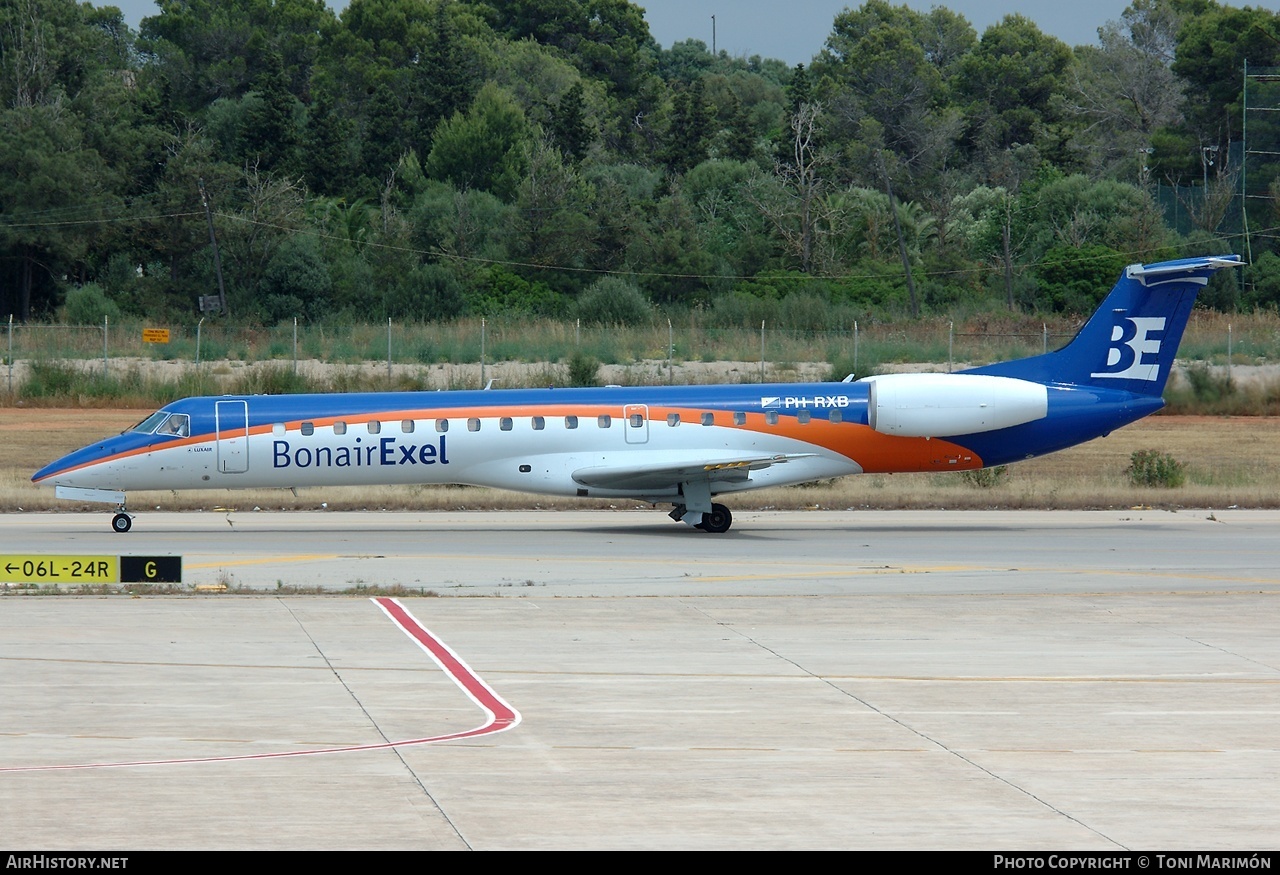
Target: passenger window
[442,425]
[673,419]
[571,422]
[835,416]
[740,418]
[802,417]
[604,420]
[406,426]
[339,427]
[637,420]
[373,426]
[307,428]
[277,429]
[771,417]
[708,419]
[538,423]
[473,424]
[505,423]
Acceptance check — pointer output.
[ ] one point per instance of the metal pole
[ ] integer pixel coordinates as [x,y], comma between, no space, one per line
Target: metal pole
[855,346]
[213,241]
[1244,165]
[388,352]
[761,350]
[671,351]
[10,353]
[295,346]
[951,346]
[198,325]
[481,352]
[1044,337]
[1228,355]
[104,346]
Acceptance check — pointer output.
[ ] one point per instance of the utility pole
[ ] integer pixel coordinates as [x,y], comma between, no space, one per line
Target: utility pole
[902,243]
[217,260]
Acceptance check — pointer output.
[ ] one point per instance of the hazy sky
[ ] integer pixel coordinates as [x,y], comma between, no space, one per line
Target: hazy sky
[795,31]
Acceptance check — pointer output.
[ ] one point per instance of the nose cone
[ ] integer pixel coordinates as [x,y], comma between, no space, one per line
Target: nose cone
[94,465]
[63,471]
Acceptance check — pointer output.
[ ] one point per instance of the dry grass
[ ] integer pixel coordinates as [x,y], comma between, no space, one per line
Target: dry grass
[1230,461]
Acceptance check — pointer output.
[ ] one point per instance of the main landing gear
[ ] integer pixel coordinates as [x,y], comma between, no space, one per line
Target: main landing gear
[716,521]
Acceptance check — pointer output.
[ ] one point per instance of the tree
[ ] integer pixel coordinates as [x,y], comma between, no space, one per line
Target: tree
[483,148]
[1213,44]
[1008,82]
[208,49]
[443,78]
[552,224]
[270,135]
[791,199]
[1124,93]
[568,126]
[689,131]
[326,150]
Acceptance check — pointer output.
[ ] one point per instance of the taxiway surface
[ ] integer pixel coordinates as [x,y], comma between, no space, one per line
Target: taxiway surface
[978,680]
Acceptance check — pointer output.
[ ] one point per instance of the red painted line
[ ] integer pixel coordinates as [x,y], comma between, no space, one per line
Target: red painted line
[499,715]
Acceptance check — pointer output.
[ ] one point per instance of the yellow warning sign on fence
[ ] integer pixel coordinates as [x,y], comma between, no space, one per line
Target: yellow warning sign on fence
[155,335]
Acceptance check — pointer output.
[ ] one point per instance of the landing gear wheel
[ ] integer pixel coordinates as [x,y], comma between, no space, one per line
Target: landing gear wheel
[718,521]
[121,522]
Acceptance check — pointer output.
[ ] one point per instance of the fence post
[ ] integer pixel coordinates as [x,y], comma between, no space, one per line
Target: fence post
[671,352]
[388,352]
[1044,337]
[10,353]
[855,346]
[1228,355]
[198,326]
[295,346]
[951,346]
[104,344]
[482,326]
[761,350]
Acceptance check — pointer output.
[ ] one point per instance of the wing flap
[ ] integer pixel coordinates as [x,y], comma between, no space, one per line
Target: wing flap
[660,476]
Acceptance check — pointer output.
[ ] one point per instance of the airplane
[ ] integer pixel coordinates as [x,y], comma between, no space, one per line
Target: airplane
[677,445]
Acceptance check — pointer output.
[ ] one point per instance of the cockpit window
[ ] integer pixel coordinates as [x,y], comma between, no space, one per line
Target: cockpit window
[149,424]
[177,425]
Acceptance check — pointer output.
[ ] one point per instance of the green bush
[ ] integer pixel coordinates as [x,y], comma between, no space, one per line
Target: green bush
[986,478]
[88,304]
[583,370]
[613,300]
[1154,468]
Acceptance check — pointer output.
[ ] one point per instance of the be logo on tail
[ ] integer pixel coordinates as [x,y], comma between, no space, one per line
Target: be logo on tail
[1134,353]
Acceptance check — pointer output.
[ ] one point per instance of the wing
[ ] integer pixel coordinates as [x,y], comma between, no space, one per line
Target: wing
[730,469]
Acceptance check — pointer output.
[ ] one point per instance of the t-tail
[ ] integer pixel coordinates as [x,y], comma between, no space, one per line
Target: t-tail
[1130,341]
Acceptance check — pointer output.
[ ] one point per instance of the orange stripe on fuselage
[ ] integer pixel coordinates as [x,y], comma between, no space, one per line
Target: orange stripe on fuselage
[874,452]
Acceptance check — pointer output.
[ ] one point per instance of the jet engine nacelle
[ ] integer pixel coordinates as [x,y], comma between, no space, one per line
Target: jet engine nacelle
[937,405]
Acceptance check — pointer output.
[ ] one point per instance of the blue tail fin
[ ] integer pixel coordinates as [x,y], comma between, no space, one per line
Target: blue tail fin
[1130,341]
